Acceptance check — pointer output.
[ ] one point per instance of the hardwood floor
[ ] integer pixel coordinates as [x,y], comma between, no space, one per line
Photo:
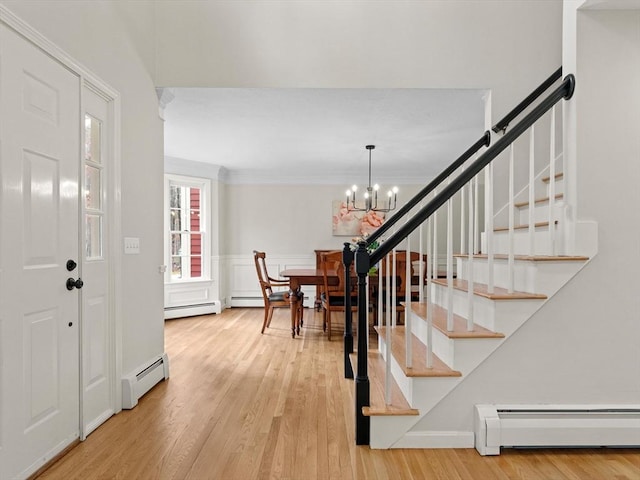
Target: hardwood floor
[240,405]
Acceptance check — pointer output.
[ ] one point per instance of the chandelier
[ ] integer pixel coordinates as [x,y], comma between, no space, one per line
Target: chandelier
[371,195]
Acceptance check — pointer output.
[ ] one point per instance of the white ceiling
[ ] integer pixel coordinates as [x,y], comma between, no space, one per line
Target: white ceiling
[264,135]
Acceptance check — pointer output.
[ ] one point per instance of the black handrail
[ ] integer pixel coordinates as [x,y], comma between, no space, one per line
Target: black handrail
[364,259]
[502,125]
[565,90]
[483,141]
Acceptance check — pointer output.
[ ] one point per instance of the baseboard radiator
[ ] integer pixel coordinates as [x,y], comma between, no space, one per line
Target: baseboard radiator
[192,310]
[135,385]
[499,426]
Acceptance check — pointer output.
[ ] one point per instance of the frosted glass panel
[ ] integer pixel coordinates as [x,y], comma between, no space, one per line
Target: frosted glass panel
[92,187]
[92,139]
[93,237]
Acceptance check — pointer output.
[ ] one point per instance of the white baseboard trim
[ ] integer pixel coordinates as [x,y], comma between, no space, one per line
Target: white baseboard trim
[428,439]
[247,302]
[192,310]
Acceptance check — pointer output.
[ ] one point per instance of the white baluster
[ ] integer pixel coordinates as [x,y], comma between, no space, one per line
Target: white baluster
[394,296]
[434,263]
[476,216]
[470,260]
[421,264]
[449,265]
[387,386]
[488,185]
[463,235]
[510,279]
[552,182]
[532,192]
[429,295]
[407,306]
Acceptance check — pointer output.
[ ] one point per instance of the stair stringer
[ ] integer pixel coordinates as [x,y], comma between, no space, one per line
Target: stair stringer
[425,393]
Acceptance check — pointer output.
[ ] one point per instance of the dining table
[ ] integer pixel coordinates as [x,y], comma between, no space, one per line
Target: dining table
[297,278]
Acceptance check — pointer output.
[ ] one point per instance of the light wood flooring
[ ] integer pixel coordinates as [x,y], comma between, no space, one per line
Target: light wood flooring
[240,405]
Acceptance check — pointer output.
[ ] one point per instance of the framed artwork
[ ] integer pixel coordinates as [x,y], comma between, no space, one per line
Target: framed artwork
[347,223]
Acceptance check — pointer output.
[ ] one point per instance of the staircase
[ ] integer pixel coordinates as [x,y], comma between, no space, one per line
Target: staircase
[502,278]
[457,352]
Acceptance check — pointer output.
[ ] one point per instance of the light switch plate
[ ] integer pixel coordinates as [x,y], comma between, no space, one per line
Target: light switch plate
[131,245]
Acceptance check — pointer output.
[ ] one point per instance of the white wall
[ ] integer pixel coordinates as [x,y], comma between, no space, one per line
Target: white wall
[583,346]
[93,34]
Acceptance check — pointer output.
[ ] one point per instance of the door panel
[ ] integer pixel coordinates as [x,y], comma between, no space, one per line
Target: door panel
[39,337]
[41,209]
[98,389]
[40,367]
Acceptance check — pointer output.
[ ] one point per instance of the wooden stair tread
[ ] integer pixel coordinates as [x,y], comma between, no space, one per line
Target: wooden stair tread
[529,258]
[459,323]
[480,289]
[524,226]
[559,196]
[557,176]
[419,355]
[378,406]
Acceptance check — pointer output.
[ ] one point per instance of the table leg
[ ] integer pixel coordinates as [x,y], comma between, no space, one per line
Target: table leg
[293,302]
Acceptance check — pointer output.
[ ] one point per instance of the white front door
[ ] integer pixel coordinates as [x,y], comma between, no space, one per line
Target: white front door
[39,329]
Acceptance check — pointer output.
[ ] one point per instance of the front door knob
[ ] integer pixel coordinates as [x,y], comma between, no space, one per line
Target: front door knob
[71,283]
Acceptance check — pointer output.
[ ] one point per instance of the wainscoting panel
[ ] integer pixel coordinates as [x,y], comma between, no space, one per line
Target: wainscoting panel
[181,298]
[242,278]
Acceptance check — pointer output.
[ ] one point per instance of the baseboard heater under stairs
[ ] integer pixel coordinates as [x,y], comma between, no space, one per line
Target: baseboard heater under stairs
[135,385]
[555,426]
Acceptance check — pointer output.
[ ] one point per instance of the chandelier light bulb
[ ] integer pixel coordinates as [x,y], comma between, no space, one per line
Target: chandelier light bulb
[366,194]
[354,188]
[395,189]
[376,187]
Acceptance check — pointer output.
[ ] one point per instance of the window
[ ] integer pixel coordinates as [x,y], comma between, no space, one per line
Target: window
[187,232]
[93,190]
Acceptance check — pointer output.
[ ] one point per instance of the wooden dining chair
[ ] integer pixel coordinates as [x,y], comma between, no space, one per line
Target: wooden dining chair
[332,295]
[274,298]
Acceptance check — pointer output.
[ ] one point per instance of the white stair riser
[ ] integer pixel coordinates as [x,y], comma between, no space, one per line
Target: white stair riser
[503,316]
[559,186]
[417,390]
[541,240]
[540,213]
[462,354]
[533,277]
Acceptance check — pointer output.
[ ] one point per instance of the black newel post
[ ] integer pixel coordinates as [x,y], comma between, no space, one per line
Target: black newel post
[363,425]
[347,260]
